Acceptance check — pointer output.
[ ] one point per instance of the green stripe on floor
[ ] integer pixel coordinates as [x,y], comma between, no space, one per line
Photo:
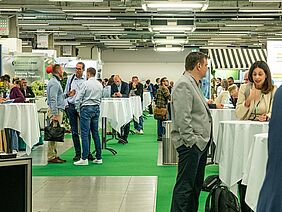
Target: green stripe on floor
[137,158]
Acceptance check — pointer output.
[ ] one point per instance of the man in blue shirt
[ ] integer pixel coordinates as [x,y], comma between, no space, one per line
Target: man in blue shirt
[55,101]
[73,86]
[87,103]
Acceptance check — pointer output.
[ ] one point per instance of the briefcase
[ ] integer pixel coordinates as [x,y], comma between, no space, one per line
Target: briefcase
[54,132]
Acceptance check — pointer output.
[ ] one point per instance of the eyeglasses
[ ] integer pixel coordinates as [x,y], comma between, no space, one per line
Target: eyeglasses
[78,68]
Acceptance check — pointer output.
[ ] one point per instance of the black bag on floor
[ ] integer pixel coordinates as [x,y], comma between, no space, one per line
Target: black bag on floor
[54,132]
[220,199]
[210,182]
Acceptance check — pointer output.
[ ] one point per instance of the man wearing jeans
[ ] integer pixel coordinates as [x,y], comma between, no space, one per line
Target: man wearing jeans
[55,101]
[87,103]
[136,89]
[73,86]
[191,133]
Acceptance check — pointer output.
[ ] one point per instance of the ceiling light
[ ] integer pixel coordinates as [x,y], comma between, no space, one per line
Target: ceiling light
[94,18]
[168,48]
[169,41]
[266,1]
[118,44]
[258,10]
[167,28]
[34,24]
[27,17]
[11,9]
[86,10]
[102,24]
[175,5]
[106,29]
[81,1]
[251,19]
[244,25]
[67,43]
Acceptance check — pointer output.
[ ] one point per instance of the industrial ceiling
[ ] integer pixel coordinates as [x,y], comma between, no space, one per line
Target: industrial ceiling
[126,24]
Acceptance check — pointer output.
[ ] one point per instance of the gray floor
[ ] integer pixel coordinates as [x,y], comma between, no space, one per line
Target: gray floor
[94,194]
[90,194]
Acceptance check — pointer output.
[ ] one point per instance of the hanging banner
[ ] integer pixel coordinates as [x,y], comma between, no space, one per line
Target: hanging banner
[25,67]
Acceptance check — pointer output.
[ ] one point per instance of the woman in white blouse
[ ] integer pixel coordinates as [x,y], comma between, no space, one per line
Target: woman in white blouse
[224,96]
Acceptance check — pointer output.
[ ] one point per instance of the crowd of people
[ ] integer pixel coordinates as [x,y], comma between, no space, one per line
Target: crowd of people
[182,102]
[17,90]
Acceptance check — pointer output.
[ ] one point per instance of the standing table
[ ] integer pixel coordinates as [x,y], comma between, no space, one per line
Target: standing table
[233,147]
[22,117]
[255,169]
[118,111]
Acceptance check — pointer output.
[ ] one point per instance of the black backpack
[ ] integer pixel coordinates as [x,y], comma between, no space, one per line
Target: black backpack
[220,199]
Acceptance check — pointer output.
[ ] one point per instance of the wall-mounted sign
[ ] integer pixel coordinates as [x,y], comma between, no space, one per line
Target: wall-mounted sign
[67,50]
[42,41]
[4,26]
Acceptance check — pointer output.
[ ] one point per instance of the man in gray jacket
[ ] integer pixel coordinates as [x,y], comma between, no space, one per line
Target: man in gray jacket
[191,133]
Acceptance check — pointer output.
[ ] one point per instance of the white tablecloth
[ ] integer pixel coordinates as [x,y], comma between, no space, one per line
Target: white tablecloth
[233,147]
[147,100]
[219,115]
[118,111]
[136,106]
[23,118]
[255,169]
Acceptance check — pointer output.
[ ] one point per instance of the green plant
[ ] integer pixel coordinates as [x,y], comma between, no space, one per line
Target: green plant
[38,88]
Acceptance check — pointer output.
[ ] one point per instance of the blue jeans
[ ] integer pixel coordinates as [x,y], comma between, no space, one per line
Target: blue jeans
[160,127]
[73,117]
[89,119]
[138,126]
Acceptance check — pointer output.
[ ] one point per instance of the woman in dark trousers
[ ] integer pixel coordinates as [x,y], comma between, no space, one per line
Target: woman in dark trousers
[270,199]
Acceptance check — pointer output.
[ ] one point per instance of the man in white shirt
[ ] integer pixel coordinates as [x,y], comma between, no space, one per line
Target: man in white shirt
[87,103]
[73,86]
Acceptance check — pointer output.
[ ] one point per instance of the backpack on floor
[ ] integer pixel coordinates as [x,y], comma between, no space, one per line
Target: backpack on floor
[220,199]
[210,182]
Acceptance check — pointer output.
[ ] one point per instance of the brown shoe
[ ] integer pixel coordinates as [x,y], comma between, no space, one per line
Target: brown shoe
[61,159]
[55,160]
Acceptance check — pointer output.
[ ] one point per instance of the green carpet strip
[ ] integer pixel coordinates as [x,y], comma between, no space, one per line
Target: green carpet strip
[137,158]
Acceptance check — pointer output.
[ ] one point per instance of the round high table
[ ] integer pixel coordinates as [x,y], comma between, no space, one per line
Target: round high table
[118,111]
[219,115]
[147,99]
[233,147]
[255,169]
[22,117]
[136,107]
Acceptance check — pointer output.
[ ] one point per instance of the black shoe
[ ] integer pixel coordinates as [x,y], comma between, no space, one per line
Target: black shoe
[90,157]
[159,139]
[76,158]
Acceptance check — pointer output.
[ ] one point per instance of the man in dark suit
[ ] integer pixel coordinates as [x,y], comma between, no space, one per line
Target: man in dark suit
[191,133]
[120,89]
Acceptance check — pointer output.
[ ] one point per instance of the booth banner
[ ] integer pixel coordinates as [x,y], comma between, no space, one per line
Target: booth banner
[27,67]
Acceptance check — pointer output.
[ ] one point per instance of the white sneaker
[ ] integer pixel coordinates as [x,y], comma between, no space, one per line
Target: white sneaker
[81,162]
[96,161]
[141,132]
[136,132]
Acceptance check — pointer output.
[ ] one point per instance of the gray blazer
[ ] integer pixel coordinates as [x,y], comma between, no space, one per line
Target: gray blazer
[191,118]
